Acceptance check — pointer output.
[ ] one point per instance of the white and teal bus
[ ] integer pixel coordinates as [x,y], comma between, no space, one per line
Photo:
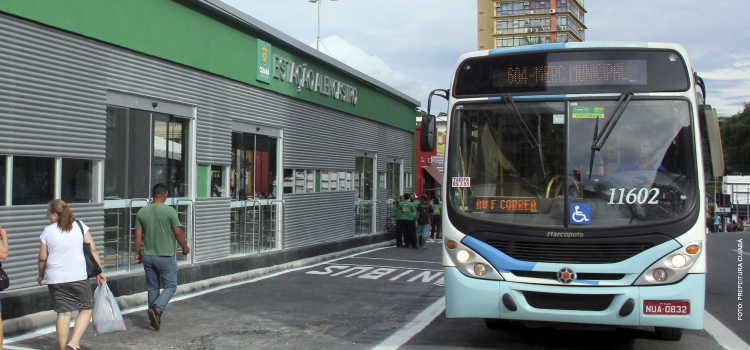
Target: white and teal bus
[575,186]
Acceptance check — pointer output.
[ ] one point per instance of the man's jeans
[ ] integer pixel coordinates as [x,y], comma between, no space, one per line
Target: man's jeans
[158,268]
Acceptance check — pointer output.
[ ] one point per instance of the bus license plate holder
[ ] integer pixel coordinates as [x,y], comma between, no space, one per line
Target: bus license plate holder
[666,307]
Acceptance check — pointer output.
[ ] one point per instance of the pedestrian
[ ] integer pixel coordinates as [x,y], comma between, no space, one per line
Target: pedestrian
[3,256]
[62,262]
[393,211]
[717,221]
[734,226]
[413,199]
[424,217]
[405,221]
[437,219]
[156,228]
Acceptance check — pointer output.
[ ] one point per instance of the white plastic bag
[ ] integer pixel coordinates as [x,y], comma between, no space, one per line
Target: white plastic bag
[107,316]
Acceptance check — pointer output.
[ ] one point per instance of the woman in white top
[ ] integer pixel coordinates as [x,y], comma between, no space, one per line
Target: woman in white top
[61,259]
[3,256]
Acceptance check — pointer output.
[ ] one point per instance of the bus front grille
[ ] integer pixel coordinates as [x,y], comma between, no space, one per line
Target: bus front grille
[580,275]
[578,302]
[570,253]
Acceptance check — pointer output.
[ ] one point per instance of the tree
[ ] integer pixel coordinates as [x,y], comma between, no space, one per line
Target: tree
[735,139]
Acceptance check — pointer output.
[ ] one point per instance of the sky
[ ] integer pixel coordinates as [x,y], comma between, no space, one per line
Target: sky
[413,45]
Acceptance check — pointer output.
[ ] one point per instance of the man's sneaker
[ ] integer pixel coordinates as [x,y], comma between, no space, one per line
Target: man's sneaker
[155,318]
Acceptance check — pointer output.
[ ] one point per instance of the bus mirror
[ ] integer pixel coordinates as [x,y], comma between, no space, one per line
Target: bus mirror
[713,133]
[427,134]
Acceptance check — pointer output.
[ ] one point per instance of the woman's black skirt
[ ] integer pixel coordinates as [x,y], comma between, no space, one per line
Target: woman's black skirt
[72,296]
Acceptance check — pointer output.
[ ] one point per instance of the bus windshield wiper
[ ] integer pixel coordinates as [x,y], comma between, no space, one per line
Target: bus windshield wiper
[525,129]
[600,139]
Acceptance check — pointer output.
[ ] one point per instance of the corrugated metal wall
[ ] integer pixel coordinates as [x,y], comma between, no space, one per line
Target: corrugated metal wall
[313,218]
[314,137]
[26,223]
[51,93]
[52,78]
[211,228]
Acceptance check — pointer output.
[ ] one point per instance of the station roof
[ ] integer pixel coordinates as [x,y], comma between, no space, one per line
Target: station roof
[255,24]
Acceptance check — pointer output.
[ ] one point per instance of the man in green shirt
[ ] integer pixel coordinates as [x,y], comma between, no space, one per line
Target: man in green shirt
[405,222]
[156,228]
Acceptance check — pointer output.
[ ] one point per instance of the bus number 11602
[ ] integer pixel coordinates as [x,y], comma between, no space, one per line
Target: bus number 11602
[633,197]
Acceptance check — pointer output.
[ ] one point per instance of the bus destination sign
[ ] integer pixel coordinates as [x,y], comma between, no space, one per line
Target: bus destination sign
[505,204]
[573,73]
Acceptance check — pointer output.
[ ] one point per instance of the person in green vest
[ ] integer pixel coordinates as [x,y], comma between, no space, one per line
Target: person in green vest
[394,211]
[413,199]
[406,222]
[437,219]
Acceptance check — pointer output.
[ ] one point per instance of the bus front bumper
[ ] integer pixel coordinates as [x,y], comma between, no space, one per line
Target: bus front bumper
[471,297]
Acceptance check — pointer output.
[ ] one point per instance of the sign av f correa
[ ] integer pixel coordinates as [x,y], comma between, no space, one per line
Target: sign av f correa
[304,77]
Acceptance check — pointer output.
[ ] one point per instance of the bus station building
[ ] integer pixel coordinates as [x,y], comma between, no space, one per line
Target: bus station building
[272,151]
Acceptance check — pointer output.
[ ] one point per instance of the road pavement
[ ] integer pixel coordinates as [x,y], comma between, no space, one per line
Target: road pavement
[355,302]
[722,280]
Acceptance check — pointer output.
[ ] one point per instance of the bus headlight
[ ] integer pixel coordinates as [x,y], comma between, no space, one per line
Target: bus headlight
[660,275]
[679,261]
[470,263]
[672,268]
[463,256]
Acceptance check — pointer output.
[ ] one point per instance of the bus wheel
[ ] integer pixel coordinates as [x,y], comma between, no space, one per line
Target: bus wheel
[494,323]
[669,333]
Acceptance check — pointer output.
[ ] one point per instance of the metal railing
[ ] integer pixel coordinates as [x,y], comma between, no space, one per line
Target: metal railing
[363,218]
[252,226]
[258,227]
[277,223]
[383,217]
[188,228]
[131,229]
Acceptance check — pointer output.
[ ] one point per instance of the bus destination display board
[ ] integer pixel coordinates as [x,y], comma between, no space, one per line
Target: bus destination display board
[572,73]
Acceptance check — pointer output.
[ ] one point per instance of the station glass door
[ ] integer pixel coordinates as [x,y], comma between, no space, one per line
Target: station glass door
[256,209]
[143,148]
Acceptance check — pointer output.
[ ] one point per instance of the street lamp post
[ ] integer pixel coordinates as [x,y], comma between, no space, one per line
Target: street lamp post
[317,43]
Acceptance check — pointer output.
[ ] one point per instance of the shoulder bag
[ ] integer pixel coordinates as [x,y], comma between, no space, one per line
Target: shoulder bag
[4,281]
[92,268]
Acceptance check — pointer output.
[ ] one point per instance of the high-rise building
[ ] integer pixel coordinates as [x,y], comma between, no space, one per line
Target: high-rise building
[505,23]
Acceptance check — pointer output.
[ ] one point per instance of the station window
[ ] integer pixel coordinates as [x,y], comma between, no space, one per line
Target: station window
[217,181]
[76,184]
[128,147]
[253,166]
[33,180]
[334,179]
[363,178]
[325,180]
[310,181]
[288,181]
[299,181]
[393,179]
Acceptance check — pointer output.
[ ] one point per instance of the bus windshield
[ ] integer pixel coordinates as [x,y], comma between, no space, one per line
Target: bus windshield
[532,164]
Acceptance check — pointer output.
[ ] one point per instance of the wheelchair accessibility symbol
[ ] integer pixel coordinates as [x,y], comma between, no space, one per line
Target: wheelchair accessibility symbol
[580,214]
